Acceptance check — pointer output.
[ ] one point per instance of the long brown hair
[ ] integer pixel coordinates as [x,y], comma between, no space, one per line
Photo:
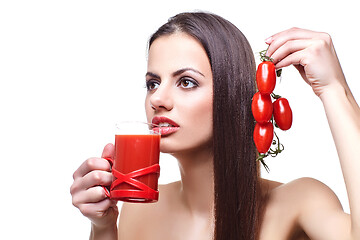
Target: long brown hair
[236,173]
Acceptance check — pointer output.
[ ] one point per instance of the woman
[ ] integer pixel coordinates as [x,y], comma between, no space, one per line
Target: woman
[201,76]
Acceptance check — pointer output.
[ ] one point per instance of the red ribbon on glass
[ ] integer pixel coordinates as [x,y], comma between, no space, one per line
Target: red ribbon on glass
[142,192]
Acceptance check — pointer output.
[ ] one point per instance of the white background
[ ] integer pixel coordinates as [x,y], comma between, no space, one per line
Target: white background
[70,69]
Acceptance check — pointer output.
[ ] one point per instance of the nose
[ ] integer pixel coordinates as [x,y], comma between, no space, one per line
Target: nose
[161,99]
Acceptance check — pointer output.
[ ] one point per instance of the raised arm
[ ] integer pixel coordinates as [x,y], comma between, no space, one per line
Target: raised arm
[313,54]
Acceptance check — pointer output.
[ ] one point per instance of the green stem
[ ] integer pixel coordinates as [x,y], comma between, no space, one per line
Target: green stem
[263,56]
[272,152]
[275,96]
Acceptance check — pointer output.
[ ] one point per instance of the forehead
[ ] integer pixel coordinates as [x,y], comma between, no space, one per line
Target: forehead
[175,51]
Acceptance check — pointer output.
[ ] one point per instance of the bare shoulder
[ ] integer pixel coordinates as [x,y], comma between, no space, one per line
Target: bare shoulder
[147,215]
[303,194]
[304,206]
[307,191]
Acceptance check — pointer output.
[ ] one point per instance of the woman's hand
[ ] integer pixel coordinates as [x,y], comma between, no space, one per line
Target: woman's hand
[312,53]
[89,196]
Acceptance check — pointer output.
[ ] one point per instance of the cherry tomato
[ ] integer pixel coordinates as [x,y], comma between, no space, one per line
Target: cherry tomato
[263,136]
[282,114]
[262,107]
[266,77]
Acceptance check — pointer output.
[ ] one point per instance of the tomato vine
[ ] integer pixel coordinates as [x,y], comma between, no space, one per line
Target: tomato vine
[266,79]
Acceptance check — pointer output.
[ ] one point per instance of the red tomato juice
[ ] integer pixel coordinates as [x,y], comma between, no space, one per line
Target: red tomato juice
[133,152]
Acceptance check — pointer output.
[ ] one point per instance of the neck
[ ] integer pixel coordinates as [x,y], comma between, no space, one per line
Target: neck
[197,181]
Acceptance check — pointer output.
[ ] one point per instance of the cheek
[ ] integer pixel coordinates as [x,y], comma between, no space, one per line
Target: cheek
[204,113]
[200,115]
[148,110]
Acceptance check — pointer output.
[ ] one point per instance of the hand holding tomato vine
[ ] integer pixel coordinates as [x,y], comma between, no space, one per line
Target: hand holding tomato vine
[313,55]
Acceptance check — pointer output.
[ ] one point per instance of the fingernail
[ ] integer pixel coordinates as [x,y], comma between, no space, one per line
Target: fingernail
[268,40]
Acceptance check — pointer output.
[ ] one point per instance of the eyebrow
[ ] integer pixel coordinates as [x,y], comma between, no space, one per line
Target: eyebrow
[176,73]
[180,71]
[153,75]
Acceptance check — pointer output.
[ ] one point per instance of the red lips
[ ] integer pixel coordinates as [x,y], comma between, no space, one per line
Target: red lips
[165,125]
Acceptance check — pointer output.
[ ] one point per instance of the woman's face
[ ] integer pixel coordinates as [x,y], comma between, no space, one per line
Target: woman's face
[180,93]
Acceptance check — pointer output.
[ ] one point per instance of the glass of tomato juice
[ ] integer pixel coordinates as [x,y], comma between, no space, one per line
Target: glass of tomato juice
[135,167]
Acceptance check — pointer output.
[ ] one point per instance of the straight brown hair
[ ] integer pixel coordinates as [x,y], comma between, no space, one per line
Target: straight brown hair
[236,172]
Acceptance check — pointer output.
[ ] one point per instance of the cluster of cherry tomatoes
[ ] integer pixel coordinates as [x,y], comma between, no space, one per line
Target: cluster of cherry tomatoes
[267,113]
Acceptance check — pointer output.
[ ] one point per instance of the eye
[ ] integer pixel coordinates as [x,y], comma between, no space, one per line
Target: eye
[187,83]
[152,85]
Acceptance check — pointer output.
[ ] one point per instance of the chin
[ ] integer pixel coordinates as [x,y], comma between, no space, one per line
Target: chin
[179,148]
[166,147]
